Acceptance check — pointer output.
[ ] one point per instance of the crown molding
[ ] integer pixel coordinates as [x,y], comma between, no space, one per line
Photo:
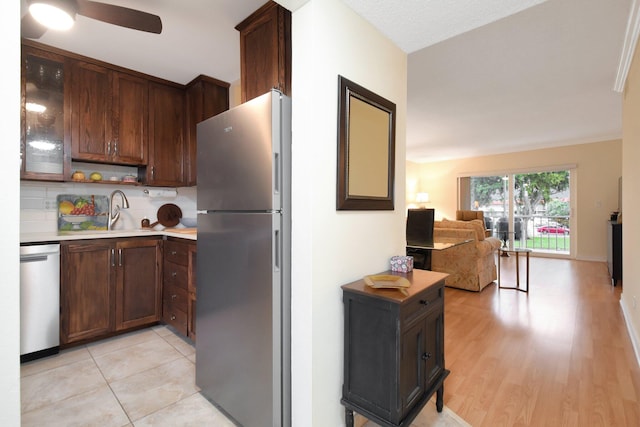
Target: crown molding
[629,47]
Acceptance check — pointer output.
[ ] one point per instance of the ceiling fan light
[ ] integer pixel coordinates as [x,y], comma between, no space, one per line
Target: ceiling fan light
[52,14]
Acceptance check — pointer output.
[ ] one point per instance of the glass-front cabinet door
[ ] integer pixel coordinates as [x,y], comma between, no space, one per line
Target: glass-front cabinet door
[43,116]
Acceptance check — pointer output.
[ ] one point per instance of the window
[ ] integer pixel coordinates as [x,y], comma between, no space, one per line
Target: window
[531,210]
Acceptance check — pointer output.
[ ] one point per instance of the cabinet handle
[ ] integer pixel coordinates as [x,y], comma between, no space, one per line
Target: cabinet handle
[153,172]
[109,148]
[424,302]
[174,274]
[173,252]
[173,317]
[426,356]
[174,296]
[119,257]
[113,257]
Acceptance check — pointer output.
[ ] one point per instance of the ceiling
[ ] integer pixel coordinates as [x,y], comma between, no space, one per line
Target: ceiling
[484,77]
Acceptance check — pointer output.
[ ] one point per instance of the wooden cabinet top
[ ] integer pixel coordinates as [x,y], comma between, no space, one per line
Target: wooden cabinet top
[419,279]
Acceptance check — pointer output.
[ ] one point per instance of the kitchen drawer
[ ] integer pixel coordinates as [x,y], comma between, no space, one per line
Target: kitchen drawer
[175,317]
[176,252]
[176,297]
[176,275]
[423,303]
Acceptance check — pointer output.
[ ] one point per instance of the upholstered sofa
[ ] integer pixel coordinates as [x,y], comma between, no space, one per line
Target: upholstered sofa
[471,266]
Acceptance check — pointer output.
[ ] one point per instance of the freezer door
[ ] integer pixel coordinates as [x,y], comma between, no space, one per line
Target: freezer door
[239,361]
[240,156]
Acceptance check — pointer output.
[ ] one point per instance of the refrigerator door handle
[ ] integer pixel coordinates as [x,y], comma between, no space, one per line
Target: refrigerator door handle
[276,250]
[276,171]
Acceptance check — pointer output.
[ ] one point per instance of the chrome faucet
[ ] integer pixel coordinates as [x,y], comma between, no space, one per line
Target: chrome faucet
[113,217]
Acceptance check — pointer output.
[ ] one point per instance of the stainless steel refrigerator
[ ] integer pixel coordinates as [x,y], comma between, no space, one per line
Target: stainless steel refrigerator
[243,261]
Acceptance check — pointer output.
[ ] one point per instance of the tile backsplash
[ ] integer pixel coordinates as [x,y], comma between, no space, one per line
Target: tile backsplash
[39,211]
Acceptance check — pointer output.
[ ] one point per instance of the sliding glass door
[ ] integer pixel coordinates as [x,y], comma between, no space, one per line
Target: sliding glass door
[526,210]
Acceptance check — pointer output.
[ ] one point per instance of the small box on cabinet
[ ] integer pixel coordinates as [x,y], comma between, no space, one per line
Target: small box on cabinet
[401,263]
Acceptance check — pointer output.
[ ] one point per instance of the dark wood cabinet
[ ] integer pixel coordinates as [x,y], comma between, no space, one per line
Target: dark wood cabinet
[130,119]
[87,291]
[102,113]
[44,116]
[265,51]
[206,97]
[139,283]
[400,338]
[614,251]
[178,309]
[167,142]
[109,285]
[109,115]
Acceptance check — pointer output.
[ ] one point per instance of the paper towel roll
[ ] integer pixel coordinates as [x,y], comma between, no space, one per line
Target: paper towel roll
[161,192]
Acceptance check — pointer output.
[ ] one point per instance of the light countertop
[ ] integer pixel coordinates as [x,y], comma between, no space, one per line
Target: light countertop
[182,233]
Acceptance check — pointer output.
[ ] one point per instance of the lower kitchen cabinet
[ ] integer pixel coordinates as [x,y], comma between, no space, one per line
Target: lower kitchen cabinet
[178,308]
[108,285]
[400,338]
[87,290]
[139,286]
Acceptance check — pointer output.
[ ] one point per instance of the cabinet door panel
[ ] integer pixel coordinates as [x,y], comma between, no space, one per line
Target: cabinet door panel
[138,294]
[87,296]
[91,136]
[167,125]
[265,51]
[412,384]
[43,133]
[130,115]
[434,347]
[262,67]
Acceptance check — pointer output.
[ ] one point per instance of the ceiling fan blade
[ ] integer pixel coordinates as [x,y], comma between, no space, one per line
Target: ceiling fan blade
[30,28]
[121,16]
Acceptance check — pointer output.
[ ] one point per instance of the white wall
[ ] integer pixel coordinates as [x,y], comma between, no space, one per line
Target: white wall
[10,203]
[631,201]
[332,248]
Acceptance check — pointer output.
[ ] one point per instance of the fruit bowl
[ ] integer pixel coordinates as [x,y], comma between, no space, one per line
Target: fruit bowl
[77,219]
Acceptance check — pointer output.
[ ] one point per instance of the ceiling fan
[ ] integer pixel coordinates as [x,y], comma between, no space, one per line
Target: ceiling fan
[63,12]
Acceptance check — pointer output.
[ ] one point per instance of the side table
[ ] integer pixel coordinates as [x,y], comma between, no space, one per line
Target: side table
[516,251]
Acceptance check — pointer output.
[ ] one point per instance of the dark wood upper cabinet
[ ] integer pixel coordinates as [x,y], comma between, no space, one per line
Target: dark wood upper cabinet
[109,115]
[44,115]
[130,118]
[206,97]
[102,113]
[265,51]
[167,144]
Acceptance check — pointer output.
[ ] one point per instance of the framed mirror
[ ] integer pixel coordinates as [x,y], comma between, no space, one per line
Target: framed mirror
[366,149]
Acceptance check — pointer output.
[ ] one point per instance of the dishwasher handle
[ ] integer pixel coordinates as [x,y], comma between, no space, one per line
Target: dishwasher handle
[33,258]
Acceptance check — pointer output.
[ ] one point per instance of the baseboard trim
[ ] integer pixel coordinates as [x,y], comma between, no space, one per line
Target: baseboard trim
[633,334]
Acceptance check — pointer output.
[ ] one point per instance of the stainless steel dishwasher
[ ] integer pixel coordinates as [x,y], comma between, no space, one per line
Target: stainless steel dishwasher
[39,301]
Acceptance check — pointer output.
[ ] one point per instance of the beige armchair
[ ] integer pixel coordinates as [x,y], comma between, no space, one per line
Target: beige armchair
[463,215]
[471,266]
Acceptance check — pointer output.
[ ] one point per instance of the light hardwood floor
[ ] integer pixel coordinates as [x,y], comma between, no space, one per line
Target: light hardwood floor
[557,356]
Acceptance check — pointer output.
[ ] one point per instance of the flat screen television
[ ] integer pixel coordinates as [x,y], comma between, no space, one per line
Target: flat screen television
[420,227]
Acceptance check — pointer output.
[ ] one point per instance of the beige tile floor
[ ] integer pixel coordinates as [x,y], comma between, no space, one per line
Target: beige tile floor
[143,378]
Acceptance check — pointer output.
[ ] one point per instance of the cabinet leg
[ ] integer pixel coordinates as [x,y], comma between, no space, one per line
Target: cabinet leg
[440,398]
[348,417]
